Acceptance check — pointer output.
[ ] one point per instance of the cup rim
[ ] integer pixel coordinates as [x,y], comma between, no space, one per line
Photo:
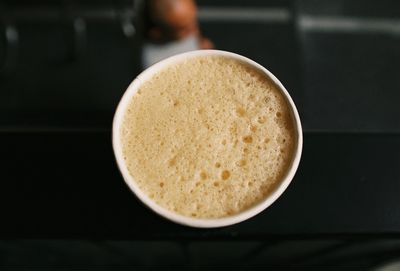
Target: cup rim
[178,218]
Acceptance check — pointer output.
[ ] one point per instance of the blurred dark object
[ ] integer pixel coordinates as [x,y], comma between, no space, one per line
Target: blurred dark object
[169,20]
[65,65]
[170,28]
[350,50]
[77,57]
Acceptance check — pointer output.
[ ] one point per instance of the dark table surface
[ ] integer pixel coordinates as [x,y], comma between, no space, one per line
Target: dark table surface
[66,184]
[62,77]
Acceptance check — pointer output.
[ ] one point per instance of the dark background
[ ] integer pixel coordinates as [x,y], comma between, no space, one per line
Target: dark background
[63,205]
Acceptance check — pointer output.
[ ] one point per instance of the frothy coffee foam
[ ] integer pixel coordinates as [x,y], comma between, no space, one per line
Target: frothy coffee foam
[208,137]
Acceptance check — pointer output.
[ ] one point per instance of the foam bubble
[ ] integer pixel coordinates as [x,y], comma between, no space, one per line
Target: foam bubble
[225,174]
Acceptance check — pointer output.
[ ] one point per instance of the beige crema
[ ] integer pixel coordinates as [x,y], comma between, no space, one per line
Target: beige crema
[208,137]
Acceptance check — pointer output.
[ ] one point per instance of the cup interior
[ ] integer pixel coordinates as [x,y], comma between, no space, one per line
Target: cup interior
[200,222]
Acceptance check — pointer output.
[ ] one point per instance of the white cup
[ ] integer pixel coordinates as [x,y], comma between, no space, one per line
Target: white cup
[201,222]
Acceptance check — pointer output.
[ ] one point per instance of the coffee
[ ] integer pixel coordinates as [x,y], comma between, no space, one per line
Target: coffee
[208,137]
